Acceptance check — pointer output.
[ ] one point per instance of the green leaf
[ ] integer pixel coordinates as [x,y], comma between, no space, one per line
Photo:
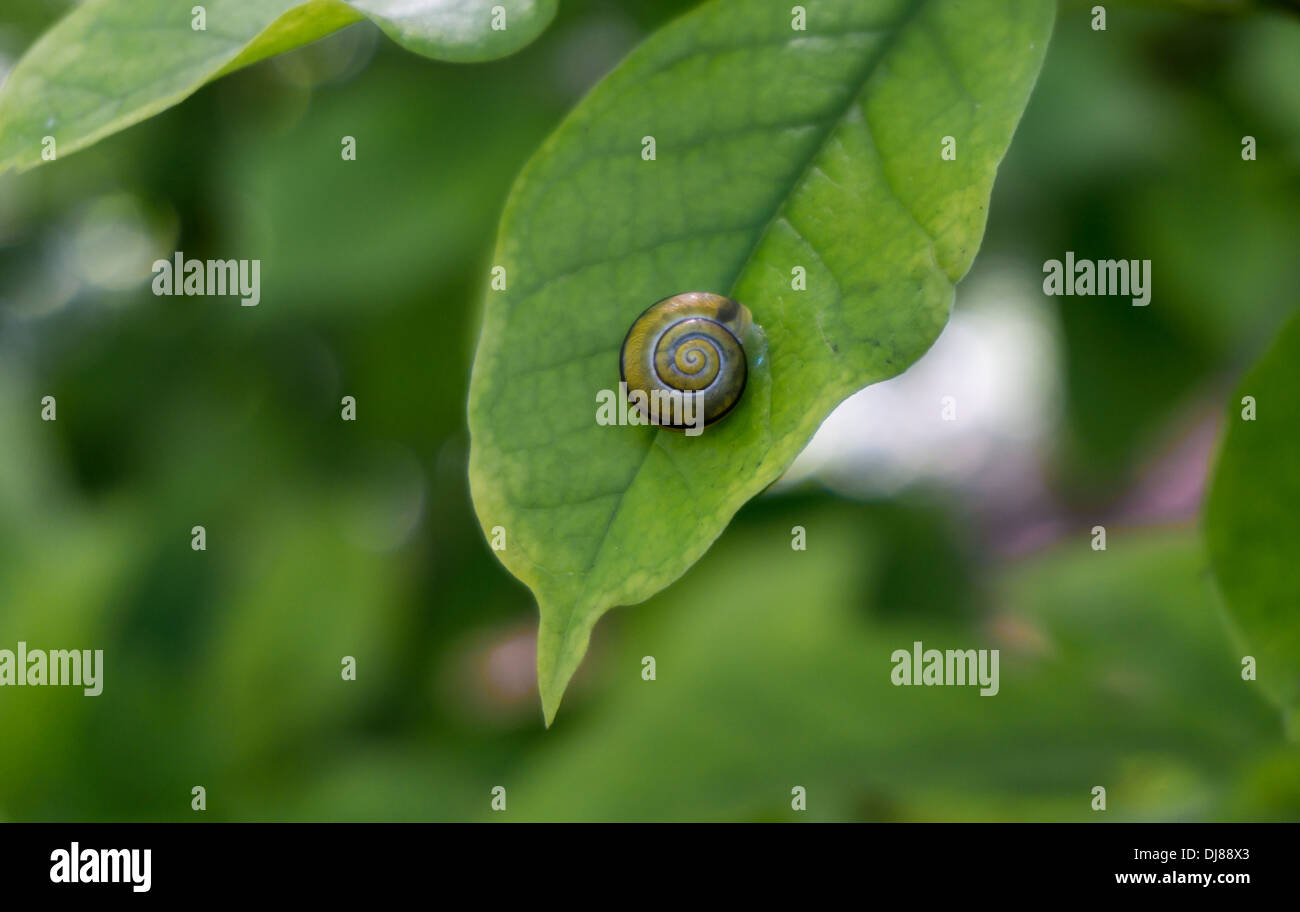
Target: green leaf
[775,148]
[1252,518]
[464,31]
[109,64]
[300,25]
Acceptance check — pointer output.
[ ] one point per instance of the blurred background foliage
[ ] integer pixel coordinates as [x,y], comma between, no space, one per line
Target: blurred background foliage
[328,539]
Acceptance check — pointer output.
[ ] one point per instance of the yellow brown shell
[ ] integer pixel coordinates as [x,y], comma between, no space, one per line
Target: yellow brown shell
[687,343]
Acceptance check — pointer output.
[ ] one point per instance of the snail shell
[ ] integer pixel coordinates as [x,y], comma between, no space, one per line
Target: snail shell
[689,343]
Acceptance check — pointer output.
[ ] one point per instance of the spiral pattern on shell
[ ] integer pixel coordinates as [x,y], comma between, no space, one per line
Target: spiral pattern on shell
[689,343]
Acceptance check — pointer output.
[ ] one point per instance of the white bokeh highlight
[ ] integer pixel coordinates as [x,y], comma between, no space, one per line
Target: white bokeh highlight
[999,357]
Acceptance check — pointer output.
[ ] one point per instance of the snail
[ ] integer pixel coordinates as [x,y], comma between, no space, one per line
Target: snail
[688,343]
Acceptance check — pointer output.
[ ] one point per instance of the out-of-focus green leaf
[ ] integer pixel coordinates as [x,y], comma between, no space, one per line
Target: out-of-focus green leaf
[305,23]
[464,31]
[1252,517]
[109,64]
[775,148]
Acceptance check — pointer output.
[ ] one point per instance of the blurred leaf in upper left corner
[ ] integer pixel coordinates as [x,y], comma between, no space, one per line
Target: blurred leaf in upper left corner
[109,64]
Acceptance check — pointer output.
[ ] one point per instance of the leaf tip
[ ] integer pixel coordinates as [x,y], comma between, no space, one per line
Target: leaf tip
[552,682]
[560,650]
